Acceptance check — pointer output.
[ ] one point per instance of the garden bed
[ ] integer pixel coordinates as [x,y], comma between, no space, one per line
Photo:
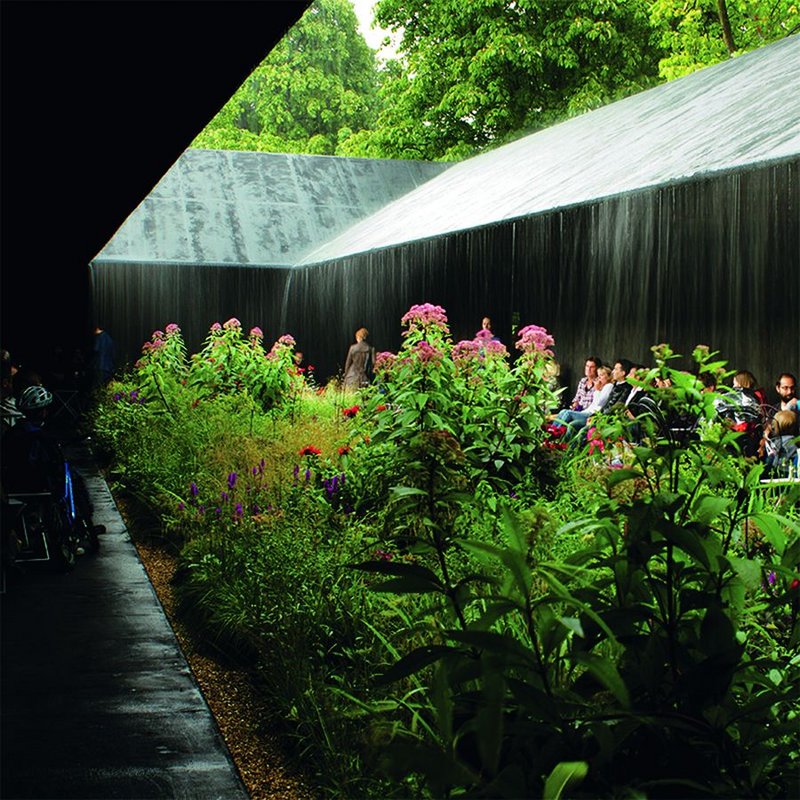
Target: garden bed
[247,723]
[434,596]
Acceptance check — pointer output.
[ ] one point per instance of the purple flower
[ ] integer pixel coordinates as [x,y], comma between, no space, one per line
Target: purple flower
[308,475]
[117,397]
[296,471]
[239,510]
[232,480]
[256,509]
[135,394]
[193,489]
[771,578]
[218,511]
[255,471]
[181,506]
[201,509]
[225,497]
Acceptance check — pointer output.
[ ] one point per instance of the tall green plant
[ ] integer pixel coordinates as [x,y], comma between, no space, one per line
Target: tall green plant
[637,665]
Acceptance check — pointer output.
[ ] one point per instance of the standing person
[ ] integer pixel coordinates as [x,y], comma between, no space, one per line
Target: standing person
[359,363]
[102,357]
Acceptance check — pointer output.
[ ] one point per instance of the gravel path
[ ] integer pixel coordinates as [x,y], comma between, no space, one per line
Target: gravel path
[242,716]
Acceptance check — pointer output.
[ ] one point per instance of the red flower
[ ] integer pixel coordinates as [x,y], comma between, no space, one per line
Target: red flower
[344,450]
[351,412]
[310,450]
[795,584]
[381,407]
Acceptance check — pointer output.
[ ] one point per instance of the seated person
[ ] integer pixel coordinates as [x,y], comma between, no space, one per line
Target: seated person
[585,391]
[786,387]
[741,408]
[576,420]
[641,405]
[32,459]
[33,462]
[621,388]
[781,453]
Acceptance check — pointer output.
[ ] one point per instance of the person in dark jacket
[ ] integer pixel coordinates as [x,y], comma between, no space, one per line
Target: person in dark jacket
[359,363]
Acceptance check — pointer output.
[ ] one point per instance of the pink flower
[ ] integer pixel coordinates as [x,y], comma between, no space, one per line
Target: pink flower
[465,351]
[424,315]
[172,329]
[216,327]
[232,324]
[384,360]
[158,336]
[256,333]
[287,339]
[426,353]
[535,339]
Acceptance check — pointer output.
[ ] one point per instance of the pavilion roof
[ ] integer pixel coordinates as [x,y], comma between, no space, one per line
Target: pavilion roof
[737,113]
[257,209]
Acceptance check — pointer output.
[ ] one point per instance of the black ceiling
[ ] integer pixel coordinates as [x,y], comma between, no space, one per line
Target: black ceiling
[98,100]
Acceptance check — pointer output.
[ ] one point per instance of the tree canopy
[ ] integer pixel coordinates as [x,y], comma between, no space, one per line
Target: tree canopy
[471,75]
[313,89]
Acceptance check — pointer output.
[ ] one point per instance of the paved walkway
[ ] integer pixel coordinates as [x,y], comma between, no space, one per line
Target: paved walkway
[97,698]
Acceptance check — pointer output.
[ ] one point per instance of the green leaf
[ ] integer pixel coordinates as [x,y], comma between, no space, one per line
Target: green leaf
[492,642]
[415,661]
[489,719]
[618,476]
[563,776]
[573,624]
[708,507]
[406,586]
[688,541]
[773,531]
[400,569]
[606,672]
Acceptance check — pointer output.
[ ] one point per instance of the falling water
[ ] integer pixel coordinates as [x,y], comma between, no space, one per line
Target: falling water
[672,215]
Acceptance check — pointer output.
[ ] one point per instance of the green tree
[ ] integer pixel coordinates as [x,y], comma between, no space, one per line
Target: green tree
[474,73]
[697,33]
[317,86]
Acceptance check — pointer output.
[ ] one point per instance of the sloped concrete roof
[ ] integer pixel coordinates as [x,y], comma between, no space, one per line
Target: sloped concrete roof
[743,111]
[257,209]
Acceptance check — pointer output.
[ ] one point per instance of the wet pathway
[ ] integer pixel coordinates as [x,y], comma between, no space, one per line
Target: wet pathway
[97,698]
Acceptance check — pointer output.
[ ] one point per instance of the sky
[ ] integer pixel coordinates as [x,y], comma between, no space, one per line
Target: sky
[373,36]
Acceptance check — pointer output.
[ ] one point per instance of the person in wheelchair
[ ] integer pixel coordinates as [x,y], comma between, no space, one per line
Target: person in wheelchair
[33,462]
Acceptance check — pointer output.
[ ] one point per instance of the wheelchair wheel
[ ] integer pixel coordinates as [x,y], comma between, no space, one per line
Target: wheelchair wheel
[61,542]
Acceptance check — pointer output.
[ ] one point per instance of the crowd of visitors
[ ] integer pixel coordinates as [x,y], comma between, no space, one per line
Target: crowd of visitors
[769,429]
